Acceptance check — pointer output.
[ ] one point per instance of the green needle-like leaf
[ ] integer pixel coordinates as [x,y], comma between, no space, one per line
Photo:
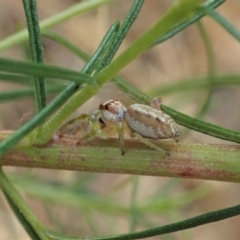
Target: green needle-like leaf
[42,70]
[201,126]
[36,48]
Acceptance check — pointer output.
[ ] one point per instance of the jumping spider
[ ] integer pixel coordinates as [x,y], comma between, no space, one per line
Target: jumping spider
[140,121]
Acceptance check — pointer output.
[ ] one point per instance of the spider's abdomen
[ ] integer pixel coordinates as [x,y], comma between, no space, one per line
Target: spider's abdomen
[151,123]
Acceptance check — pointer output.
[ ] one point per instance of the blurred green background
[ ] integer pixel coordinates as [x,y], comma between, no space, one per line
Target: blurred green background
[88,204]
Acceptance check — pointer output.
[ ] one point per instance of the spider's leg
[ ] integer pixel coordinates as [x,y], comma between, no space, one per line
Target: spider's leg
[121,136]
[73,126]
[99,128]
[149,144]
[176,139]
[94,126]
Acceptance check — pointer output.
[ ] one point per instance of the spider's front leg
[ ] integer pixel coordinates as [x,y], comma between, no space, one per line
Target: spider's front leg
[120,129]
[76,126]
[85,126]
[145,141]
[113,117]
[97,127]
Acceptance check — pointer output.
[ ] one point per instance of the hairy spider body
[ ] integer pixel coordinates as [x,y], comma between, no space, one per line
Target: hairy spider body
[137,120]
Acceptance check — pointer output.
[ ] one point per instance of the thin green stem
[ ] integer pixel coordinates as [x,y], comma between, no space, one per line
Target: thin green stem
[178,226]
[132,90]
[24,93]
[73,48]
[102,49]
[44,71]
[196,83]
[26,225]
[63,16]
[25,80]
[209,52]
[211,69]
[36,49]
[201,126]
[229,27]
[128,21]
[185,23]
[22,211]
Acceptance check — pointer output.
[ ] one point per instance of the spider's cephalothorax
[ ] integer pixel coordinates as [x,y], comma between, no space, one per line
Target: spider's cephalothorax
[112,111]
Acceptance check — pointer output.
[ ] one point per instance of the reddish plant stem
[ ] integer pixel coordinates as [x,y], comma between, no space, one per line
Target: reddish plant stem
[186,160]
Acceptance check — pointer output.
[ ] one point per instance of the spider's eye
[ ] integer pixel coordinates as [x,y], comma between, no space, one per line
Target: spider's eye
[104,106]
[101,123]
[101,107]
